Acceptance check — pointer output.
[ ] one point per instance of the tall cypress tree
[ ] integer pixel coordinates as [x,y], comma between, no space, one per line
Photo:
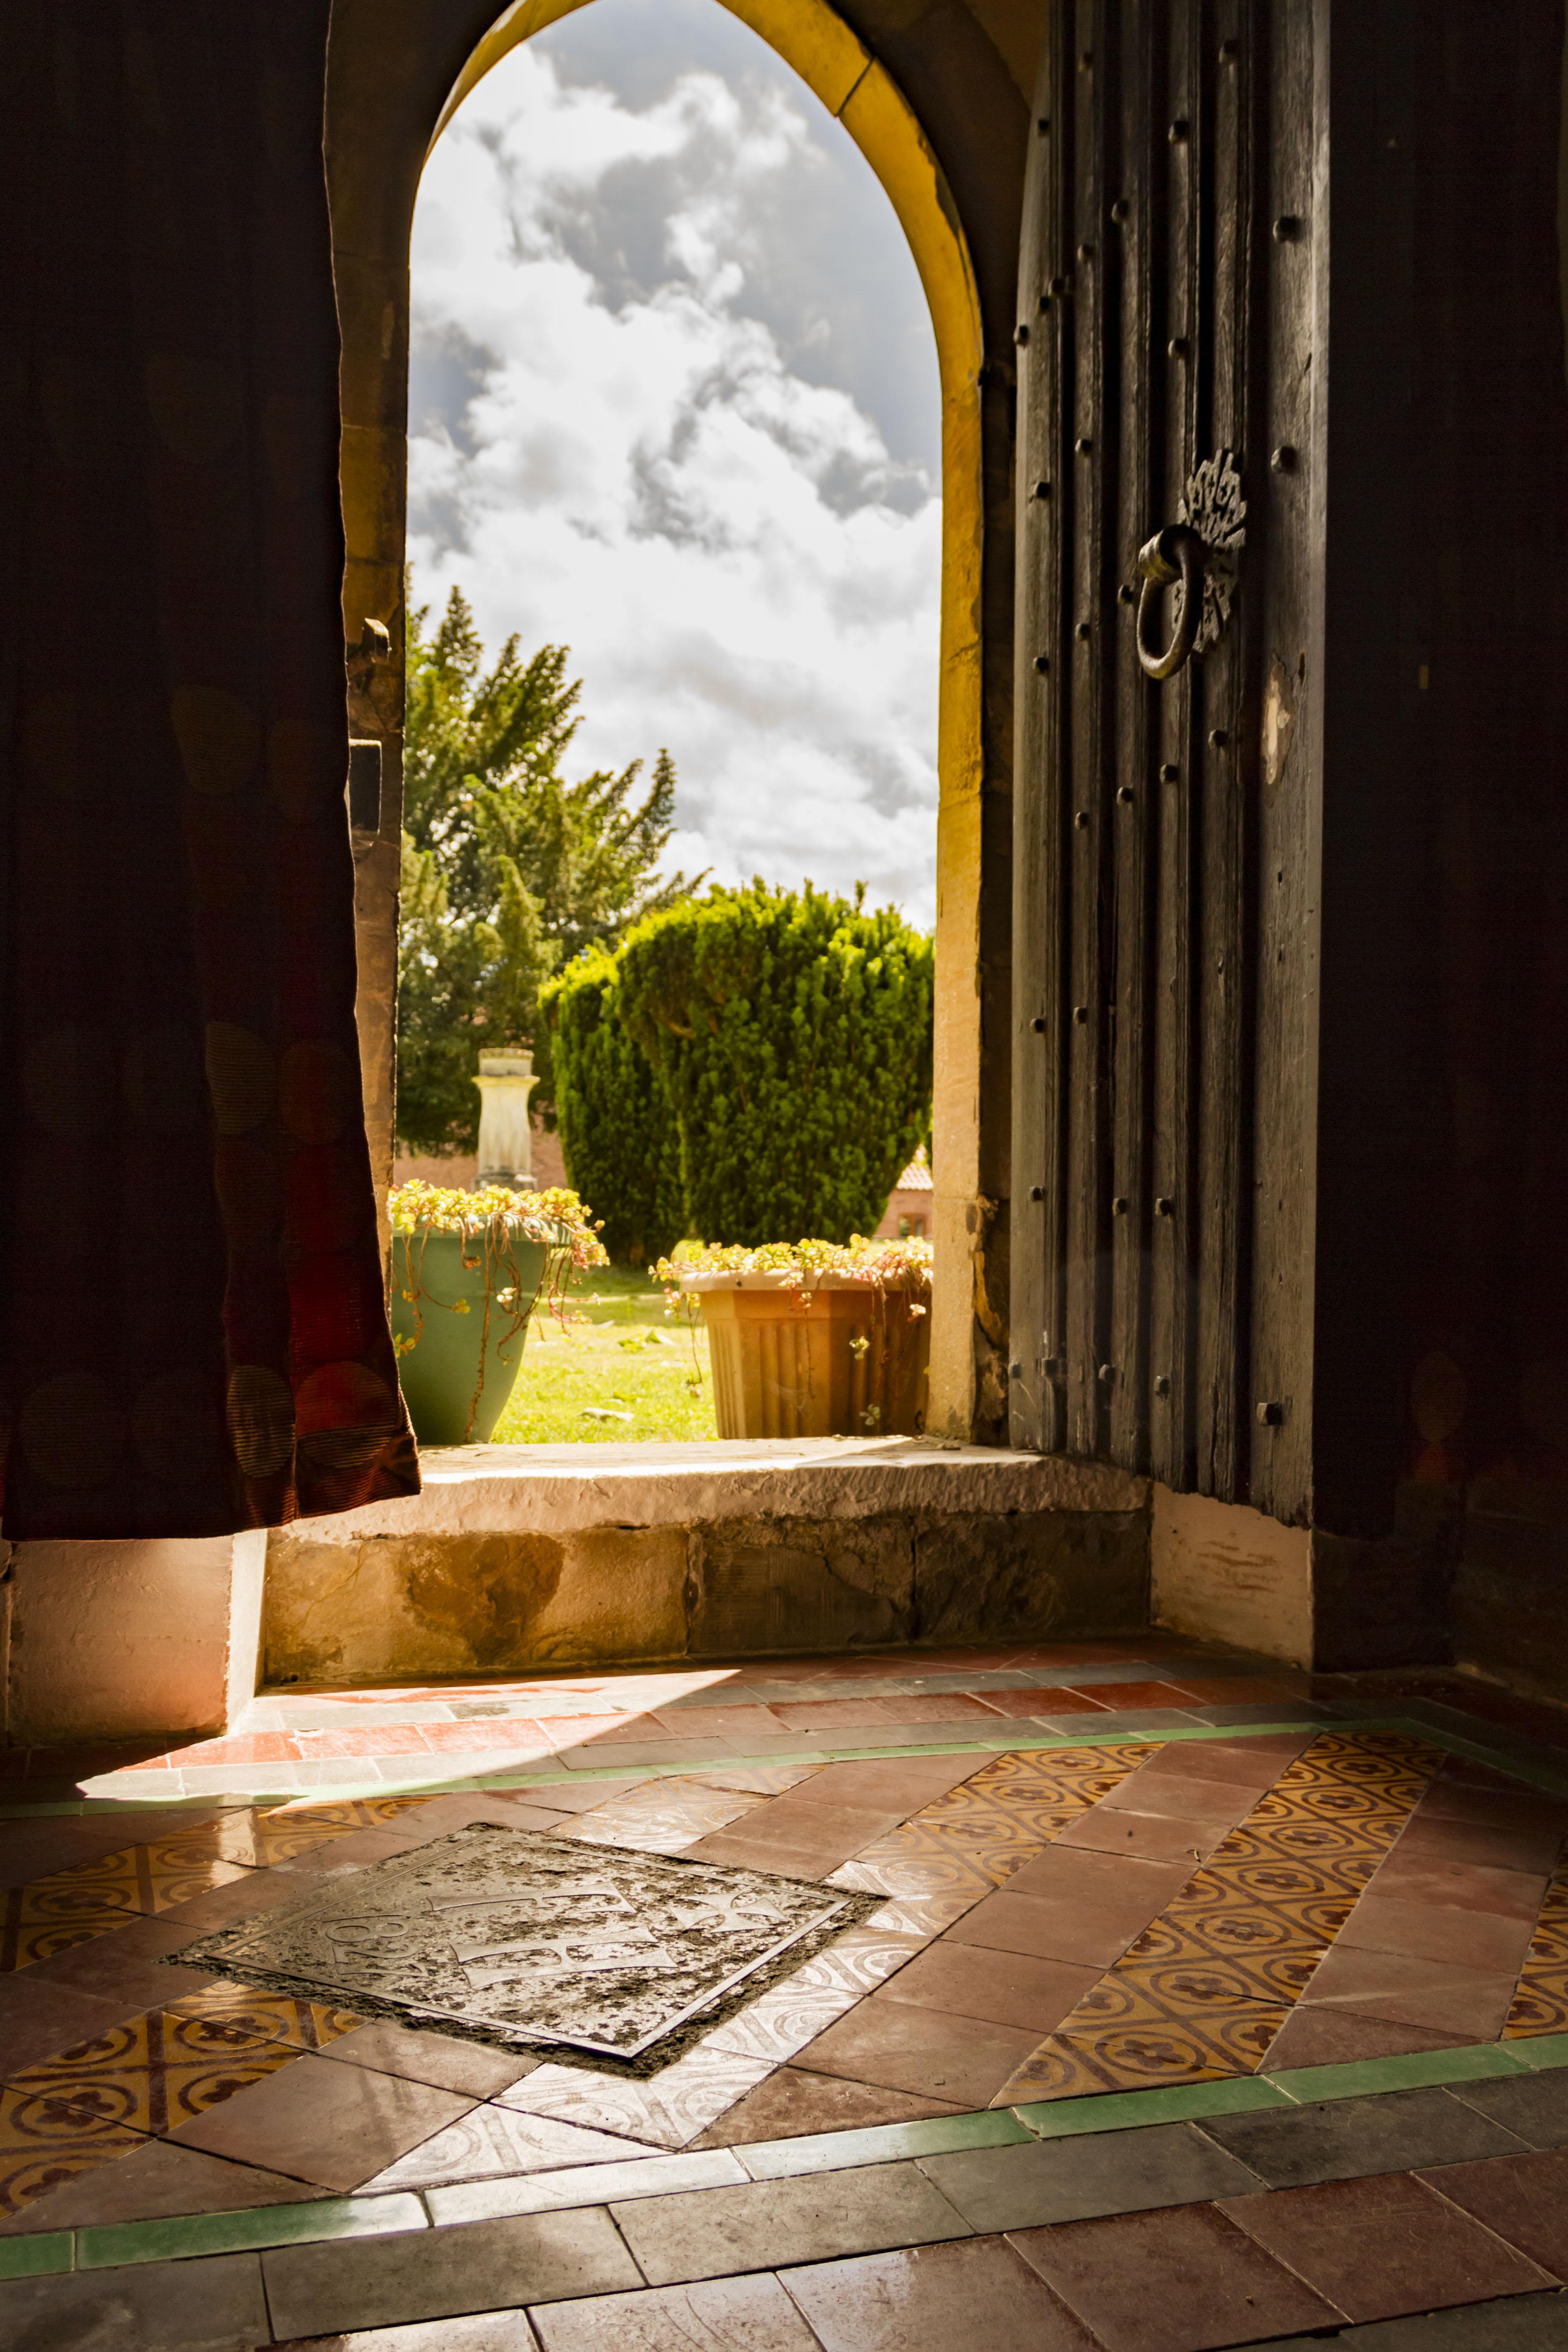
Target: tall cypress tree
[508,871]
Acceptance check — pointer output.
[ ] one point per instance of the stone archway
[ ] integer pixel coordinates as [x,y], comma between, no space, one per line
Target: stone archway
[406,79]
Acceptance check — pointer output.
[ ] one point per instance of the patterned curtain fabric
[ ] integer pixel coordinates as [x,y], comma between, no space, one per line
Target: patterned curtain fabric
[193,1329]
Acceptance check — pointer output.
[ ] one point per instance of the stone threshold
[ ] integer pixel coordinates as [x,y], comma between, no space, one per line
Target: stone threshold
[558,1489]
[120,2245]
[523,1558]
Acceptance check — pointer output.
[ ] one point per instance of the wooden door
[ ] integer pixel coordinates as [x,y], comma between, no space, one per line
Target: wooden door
[1165,893]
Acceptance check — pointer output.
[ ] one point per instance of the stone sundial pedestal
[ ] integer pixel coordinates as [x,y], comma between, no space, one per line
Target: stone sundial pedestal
[505,1139]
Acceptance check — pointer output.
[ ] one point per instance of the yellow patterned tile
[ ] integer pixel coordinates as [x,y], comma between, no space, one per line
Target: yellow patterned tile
[346,1812]
[1133,2052]
[257,2016]
[256,1840]
[149,1879]
[1205,1989]
[45,1918]
[153,2074]
[1196,1970]
[44,2142]
[1540,2003]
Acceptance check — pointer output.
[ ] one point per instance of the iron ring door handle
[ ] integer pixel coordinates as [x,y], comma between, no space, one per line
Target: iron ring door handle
[1175,554]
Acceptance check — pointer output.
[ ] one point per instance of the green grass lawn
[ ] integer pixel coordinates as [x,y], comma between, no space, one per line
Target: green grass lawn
[619,1368]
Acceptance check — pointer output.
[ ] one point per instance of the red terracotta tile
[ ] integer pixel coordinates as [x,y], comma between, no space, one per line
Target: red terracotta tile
[935,1706]
[793,2102]
[250,1748]
[797,1819]
[1321,2036]
[1159,1837]
[733,1849]
[1485,1940]
[832,1714]
[1091,1935]
[1181,1795]
[381,1740]
[1434,1838]
[1046,1702]
[1514,1807]
[1184,2279]
[573,1731]
[331,2125]
[1253,1763]
[924,2297]
[1379,2248]
[1460,1885]
[898,1784]
[1464,2003]
[516,1736]
[1523,2199]
[1004,1987]
[1134,1694]
[712,1723]
[928,2052]
[1122,1882]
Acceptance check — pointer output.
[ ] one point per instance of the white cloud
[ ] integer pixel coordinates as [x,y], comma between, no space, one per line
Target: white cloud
[635,434]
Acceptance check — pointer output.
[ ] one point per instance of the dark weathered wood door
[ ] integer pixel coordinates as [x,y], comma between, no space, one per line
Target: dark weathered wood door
[1164,895]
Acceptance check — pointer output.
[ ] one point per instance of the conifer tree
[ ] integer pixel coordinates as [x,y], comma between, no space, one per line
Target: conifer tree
[792,1035]
[508,870]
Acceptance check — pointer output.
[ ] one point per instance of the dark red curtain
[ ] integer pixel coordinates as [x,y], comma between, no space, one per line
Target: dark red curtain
[193,1329]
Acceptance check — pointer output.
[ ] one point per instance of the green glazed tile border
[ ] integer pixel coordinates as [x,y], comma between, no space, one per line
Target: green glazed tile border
[779,2159]
[577,2187]
[1540,2050]
[1419,2070]
[113,2245]
[36,2257]
[1120,2110]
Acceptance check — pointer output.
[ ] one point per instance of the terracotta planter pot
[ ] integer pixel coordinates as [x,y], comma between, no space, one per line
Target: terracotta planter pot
[851,1361]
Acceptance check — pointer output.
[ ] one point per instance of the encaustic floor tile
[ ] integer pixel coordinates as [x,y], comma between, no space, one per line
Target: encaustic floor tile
[153,2074]
[253,2016]
[148,1879]
[49,1917]
[1132,2041]
[44,2142]
[1204,1991]
[1541,2000]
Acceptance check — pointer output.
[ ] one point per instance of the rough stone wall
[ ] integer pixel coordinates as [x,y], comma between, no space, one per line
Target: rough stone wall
[392,1607]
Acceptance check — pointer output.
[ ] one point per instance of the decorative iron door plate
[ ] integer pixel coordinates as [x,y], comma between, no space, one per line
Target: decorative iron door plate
[509,1937]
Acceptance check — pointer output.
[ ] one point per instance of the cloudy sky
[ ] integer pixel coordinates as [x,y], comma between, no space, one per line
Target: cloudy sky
[673,403]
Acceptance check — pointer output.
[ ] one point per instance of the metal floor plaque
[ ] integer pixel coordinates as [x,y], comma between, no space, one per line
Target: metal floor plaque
[519,1939]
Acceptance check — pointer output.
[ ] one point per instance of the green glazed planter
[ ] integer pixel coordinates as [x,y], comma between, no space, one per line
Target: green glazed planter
[448,1402]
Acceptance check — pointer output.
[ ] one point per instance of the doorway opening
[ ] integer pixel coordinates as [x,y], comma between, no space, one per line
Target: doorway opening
[676,421]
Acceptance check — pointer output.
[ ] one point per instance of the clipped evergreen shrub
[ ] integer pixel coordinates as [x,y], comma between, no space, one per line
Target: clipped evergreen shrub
[793,1034]
[617,1129]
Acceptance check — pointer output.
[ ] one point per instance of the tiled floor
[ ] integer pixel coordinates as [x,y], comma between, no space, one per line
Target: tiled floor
[1200,2005]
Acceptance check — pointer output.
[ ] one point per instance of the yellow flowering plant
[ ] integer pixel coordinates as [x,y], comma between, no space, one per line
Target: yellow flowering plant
[491,1222]
[881,1263]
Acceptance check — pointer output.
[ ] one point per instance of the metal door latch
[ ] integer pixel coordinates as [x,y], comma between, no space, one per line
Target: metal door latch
[1198,554]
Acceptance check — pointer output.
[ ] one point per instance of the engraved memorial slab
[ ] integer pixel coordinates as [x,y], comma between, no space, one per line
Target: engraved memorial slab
[522,1940]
